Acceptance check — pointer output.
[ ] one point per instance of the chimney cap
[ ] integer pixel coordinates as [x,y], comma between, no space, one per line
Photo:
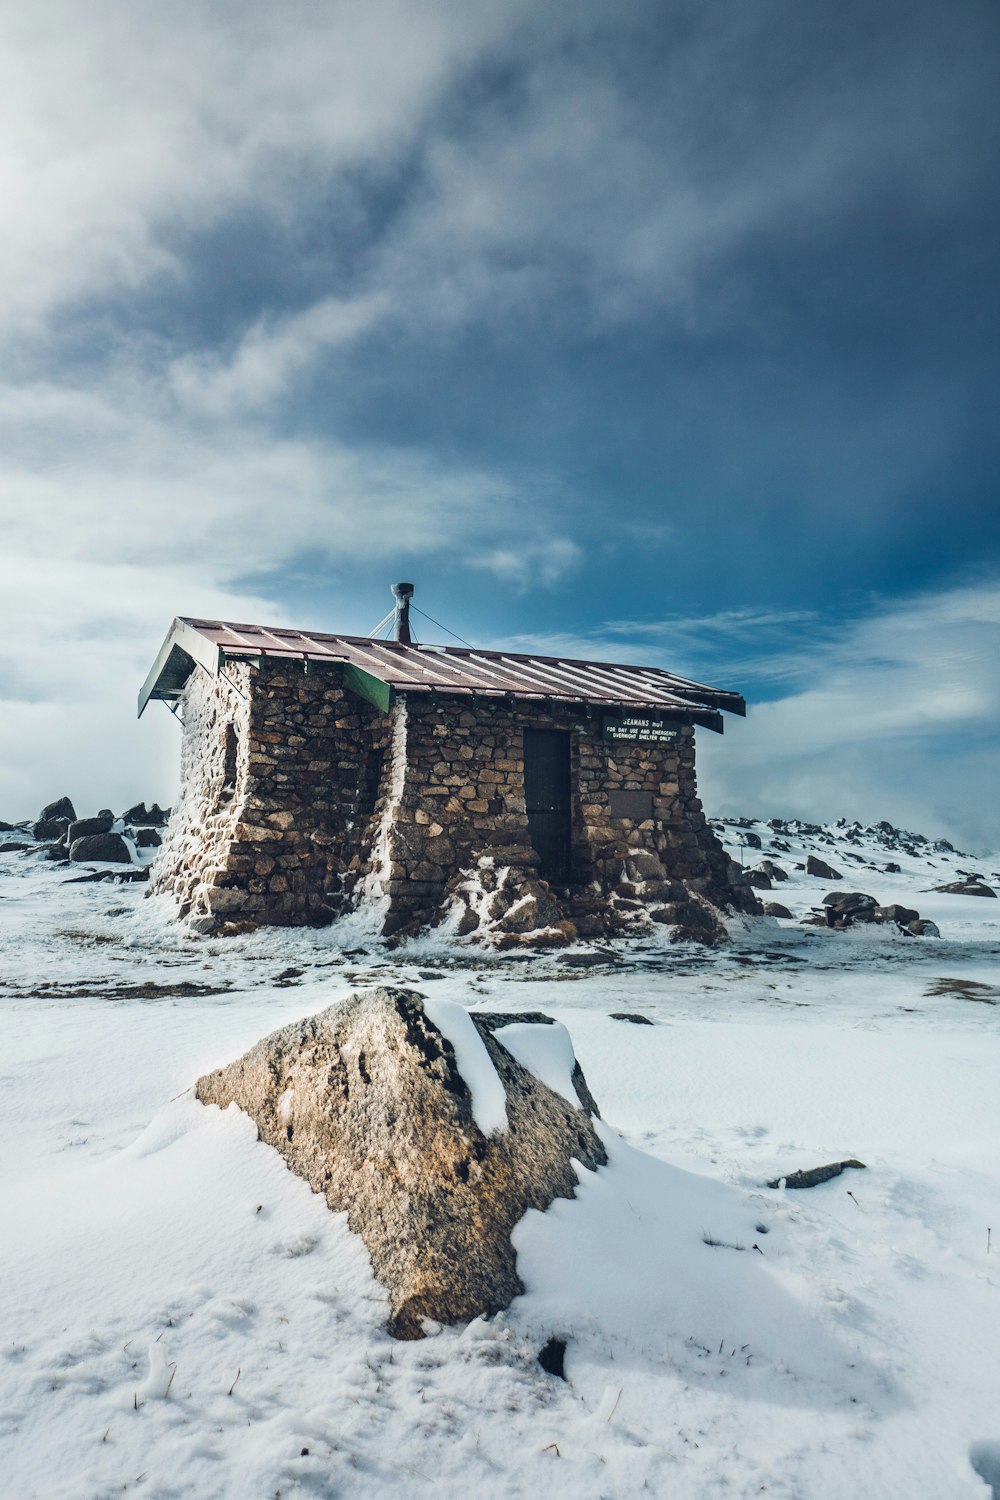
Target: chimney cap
[402,590]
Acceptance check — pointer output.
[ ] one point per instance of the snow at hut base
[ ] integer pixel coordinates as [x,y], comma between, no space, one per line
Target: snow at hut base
[182,1316]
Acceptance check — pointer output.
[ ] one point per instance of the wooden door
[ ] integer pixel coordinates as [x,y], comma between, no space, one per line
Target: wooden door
[547,800]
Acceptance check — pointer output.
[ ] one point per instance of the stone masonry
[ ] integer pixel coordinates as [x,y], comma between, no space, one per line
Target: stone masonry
[301,800]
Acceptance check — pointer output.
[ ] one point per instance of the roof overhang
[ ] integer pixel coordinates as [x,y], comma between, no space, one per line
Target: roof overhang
[183,650]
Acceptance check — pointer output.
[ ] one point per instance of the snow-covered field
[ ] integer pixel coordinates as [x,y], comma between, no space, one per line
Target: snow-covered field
[182,1317]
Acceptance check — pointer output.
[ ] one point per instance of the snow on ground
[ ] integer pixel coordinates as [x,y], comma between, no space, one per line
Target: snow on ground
[181,1316]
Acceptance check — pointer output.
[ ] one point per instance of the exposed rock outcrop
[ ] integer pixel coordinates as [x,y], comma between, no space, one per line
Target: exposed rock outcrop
[815,866]
[424,1123]
[972,886]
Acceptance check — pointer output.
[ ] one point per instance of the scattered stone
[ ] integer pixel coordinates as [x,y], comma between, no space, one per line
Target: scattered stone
[972,887]
[892,869]
[147,838]
[85,828]
[50,828]
[590,960]
[106,847]
[844,910]
[770,868]
[775,909]
[63,810]
[904,915]
[13,847]
[752,840]
[759,879]
[367,1101]
[119,875]
[819,867]
[924,928]
[624,1015]
[552,1358]
[815,1175]
[151,817]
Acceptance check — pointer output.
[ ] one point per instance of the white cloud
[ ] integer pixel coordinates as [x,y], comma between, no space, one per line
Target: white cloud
[894,716]
[126,124]
[270,355]
[527,562]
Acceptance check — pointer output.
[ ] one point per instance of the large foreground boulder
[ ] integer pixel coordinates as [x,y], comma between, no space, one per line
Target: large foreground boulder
[434,1129]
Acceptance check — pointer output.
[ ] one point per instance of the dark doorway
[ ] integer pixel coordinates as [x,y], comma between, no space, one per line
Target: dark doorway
[547,800]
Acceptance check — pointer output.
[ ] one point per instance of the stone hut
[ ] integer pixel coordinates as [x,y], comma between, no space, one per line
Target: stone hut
[522,798]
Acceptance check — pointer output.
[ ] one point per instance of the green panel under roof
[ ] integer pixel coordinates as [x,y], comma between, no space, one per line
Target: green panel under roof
[373,689]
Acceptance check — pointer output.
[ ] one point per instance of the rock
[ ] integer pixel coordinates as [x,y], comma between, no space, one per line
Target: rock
[535,908]
[843,909]
[687,915]
[12,846]
[892,869]
[924,928]
[7,827]
[904,915]
[973,887]
[775,909]
[815,1175]
[642,865]
[63,810]
[369,1102]
[770,868]
[85,828]
[109,847]
[819,867]
[752,840]
[148,838]
[552,1358]
[50,828]
[849,900]
[625,1015]
[142,816]
[759,879]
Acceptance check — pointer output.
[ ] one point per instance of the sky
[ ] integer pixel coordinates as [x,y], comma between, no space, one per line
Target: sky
[667,332]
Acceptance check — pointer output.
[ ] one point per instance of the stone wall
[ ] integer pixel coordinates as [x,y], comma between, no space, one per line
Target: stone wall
[460,831]
[300,800]
[286,842]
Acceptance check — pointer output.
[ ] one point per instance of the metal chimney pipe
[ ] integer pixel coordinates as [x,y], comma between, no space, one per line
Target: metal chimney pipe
[402,593]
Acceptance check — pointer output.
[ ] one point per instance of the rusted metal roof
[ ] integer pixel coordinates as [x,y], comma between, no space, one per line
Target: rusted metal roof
[451,670]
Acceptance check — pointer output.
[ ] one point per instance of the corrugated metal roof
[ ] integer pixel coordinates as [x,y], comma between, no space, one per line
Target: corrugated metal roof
[440,669]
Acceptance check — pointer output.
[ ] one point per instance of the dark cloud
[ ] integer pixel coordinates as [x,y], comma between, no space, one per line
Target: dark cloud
[587,312]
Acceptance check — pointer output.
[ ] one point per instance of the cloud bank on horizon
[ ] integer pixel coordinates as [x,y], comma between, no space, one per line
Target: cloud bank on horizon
[670,331]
